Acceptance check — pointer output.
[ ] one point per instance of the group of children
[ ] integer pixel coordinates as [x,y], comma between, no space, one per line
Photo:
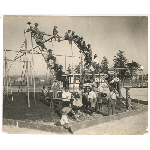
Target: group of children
[89,101]
[84,102]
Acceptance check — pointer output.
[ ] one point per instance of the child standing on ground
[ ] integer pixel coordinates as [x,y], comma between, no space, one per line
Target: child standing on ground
[99,98]
[92,99]
[112,98]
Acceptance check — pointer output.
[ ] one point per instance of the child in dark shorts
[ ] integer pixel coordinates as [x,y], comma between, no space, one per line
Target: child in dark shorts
[99,101]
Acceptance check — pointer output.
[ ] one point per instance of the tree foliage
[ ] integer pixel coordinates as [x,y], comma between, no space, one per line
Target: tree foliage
[69,69]
[104,64]
[133,67]
[77,68]
[120,62]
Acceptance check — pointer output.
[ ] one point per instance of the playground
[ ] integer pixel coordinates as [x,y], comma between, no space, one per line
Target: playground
[29,101]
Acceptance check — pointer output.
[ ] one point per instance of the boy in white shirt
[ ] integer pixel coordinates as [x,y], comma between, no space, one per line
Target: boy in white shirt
[99,98]
[112,98]
[92,99]
[66,95]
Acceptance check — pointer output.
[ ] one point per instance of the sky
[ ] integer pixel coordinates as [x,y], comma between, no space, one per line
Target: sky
[106,34]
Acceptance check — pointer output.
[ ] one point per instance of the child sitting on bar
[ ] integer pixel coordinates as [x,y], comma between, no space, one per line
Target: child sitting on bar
[66,95]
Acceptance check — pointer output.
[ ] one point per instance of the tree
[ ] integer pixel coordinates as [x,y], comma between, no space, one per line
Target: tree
[104,64]
[77,68]
[69,69]
[120,62]
[133,67]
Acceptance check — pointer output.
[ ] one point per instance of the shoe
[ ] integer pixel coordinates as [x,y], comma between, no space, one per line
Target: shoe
[70,131]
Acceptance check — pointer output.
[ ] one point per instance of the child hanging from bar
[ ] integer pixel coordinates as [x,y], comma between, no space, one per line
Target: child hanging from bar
[48,57]
[88,55]
[81,44]
[39,39]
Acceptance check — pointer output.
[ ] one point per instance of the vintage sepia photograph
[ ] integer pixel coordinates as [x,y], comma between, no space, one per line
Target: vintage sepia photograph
[75,75]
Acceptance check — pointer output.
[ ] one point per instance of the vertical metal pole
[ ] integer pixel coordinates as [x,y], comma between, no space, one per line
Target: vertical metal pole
[34,89]
[33,70]
[30,73]
[5,73]
[131,81]
[81,63]
[10,88]
[65,63]
[7,85]
[126,98]
[28,83]
[99,79]
[80,67]
[27,70]
[72,67]
[142,79]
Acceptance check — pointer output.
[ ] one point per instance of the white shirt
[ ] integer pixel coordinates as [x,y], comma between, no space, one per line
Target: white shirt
[77,102]
[92,95]
[95,60]
[66,95]
[100,89]
[44,91]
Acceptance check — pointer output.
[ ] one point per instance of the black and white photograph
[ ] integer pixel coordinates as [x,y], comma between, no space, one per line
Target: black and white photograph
[75,75]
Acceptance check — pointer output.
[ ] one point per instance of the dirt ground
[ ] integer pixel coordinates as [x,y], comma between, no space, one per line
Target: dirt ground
[18,109]
[134,125]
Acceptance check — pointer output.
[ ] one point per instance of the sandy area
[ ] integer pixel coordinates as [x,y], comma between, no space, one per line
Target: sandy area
[134,125]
